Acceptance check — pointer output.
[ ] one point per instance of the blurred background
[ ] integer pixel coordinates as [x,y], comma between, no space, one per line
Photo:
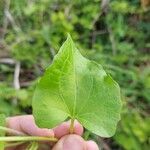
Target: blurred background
[114,33]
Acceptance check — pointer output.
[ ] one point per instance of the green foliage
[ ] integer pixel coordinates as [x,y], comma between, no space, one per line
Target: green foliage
[2,123]
[135,132]
[2,133]
[8,94]
[76,87]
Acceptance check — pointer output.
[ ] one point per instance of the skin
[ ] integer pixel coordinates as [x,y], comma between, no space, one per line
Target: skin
[26,124]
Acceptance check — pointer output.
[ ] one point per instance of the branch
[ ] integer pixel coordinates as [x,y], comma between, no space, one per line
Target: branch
[11,20]
[7,61]
[16,72]
[9,17]
[112,40]
[105,5]
[16,76]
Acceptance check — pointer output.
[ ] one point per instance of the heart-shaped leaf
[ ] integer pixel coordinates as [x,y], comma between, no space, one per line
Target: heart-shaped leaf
[78,88]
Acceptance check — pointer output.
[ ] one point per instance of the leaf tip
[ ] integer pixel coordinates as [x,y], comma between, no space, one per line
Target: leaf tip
[68,35]
[69,38]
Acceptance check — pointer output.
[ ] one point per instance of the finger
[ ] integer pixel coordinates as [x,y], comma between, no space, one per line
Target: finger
[27,125]
[70,142]
[91,145]
[63,129]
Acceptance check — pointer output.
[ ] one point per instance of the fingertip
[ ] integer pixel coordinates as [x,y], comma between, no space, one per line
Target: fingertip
[91,145]
[63,129]
[70,142]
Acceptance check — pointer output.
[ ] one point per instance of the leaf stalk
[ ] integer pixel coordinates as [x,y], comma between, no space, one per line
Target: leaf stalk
[71,129]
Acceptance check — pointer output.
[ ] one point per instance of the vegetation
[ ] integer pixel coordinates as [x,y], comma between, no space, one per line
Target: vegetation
[114,34]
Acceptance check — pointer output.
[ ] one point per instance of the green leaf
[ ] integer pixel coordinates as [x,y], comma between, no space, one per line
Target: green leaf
[78,88]
[2,133]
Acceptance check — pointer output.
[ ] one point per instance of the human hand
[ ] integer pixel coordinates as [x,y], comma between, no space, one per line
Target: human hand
[26,124]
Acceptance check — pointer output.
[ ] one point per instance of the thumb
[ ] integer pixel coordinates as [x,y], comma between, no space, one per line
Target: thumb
[70,142]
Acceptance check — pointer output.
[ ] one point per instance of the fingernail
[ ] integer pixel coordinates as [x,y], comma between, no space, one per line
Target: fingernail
[73,142]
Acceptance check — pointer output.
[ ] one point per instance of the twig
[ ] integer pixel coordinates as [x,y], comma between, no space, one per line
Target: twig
[11,20]
[16,76]
[16,80]
[104,7]
[67,11]
[96,19]
[16,72]
[112,40]
[7,61]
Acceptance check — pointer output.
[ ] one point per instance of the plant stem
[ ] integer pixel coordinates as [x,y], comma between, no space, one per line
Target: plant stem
[27,138]
[12,131]
[71,130]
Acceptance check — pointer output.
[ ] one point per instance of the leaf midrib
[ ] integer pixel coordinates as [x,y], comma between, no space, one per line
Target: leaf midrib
[74,67]
[59,90]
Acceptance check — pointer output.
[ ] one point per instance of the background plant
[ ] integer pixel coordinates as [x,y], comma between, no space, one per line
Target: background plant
[115,34]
